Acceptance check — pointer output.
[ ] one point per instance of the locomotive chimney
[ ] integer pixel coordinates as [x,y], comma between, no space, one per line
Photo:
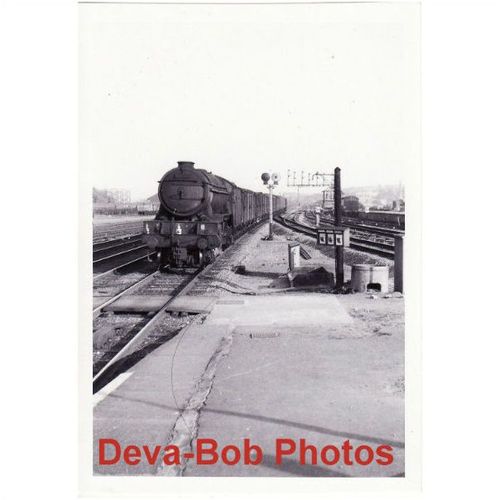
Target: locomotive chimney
[185,164]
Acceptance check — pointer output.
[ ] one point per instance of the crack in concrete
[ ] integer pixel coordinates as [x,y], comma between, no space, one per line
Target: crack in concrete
[185,429]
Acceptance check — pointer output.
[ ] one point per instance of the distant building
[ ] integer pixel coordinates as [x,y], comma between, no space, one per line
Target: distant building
[328,199]
[351,203]
[148,206]
[398,205]
[112,202]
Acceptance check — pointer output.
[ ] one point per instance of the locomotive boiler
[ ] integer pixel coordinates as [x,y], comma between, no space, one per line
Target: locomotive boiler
[201,214]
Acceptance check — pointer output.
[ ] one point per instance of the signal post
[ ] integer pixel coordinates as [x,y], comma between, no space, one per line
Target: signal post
[339,236]
[270,180]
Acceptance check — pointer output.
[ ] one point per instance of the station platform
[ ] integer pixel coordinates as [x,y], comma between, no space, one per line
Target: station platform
[300,365]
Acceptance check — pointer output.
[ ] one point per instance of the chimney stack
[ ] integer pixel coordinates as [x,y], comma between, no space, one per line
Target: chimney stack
[185,164]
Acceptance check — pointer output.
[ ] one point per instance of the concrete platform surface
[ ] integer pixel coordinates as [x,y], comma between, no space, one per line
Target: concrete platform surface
[143,409]
[324,390]
[304,312]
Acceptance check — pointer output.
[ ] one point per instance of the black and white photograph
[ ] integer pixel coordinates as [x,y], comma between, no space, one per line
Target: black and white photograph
[254,174]
[249,249]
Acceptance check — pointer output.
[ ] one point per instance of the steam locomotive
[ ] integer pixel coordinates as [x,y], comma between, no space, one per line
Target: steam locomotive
[200,215]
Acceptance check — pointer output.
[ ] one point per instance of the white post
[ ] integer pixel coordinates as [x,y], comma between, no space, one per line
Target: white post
[270,212]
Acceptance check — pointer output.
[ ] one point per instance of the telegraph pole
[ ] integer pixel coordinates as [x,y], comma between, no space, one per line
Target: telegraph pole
[339,250]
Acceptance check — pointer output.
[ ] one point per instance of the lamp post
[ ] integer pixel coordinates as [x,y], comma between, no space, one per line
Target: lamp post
[270,180]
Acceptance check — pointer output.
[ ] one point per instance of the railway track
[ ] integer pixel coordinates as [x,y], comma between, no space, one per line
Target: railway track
[112,255]
[376,240]
[121,331]
[109,287]
[384,231]
[118,334]
[108,247]
[108,231]
[375,247]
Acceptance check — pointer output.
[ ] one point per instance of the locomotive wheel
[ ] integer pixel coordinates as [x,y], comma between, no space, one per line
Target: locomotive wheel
[154,258]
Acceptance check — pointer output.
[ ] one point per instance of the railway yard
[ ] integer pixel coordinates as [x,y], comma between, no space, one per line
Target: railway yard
[236,351]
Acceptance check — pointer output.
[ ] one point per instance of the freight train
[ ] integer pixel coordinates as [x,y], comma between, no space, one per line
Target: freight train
[200,215]
[352,208]
[385,217]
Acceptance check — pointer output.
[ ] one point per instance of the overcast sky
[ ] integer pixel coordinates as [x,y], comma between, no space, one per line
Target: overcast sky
[244,89]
